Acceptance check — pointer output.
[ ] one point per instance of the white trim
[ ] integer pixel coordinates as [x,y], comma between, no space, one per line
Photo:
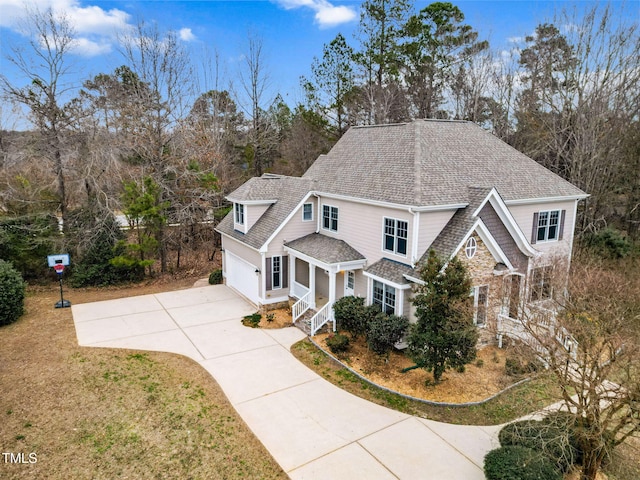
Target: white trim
[388,282]
[527,201]
[489,241]
[321,214]
[349,291]
[396,294]
[279,287]
[503,212]
[395,236]
[312,211]
[558,225]
[240,210]
[397,206]
[476,294]
[415,238]
[268,300]
[252,202]
[226,235]
[352,265]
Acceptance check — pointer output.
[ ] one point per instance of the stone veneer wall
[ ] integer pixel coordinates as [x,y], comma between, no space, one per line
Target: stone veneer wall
[481,268]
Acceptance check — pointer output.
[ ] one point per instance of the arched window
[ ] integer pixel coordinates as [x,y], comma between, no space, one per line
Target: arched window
[471,247]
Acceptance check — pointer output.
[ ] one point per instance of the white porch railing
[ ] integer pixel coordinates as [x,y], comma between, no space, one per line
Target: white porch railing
[515,329]
[300,306]
[324,315]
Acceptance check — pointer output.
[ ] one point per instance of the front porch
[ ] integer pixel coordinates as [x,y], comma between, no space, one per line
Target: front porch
[322,269]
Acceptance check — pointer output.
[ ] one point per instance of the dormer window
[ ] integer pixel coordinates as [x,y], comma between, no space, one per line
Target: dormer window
[238,213]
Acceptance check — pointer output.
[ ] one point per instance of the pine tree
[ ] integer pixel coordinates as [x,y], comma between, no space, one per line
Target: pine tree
[444,335]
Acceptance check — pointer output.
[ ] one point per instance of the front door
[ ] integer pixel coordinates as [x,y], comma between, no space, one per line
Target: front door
[349,283]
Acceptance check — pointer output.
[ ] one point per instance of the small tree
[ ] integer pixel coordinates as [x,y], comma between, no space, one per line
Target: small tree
[146,213]
[444,335]
[11,294]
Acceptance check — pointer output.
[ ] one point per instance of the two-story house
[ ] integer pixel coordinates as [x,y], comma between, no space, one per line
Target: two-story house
[363,218]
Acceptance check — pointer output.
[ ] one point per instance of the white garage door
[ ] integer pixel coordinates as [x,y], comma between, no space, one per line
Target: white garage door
[242,276]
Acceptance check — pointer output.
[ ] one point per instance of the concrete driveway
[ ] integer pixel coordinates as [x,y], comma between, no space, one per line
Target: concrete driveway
[313,429]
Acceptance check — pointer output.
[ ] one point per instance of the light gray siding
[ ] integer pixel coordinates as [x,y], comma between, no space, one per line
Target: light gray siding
[431,224]
[252,213]
[294,228]
[362,227]
[523,215]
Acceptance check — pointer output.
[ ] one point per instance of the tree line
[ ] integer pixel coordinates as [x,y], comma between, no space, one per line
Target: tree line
[148,140]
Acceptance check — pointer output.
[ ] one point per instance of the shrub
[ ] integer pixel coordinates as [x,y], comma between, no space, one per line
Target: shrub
[216,277]
[338,343]
[514,367]
[554,437]
[97,265]
[519,463]
[349,313]
[12,289]
[26,241]
[384,331]
[252,320]
[609,243]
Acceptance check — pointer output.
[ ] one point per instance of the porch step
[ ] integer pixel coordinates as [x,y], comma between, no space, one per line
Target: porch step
[304,323]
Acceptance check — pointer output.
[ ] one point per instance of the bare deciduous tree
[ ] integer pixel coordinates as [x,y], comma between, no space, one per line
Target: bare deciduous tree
[45,66]
[589,337]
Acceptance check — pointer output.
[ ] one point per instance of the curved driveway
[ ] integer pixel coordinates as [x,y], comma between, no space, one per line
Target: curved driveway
[313,429]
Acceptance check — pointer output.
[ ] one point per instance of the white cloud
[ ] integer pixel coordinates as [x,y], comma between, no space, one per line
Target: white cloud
[186,35]
[97,30]
[327,15]
[88,48]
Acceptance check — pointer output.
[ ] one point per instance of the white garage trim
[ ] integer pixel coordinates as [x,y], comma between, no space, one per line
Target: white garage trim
[242,277]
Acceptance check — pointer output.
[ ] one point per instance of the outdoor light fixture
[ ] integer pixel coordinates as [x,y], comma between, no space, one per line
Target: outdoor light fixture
[257,271]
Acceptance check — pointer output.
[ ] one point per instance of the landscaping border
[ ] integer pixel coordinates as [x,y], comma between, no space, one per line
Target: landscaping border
[421,400]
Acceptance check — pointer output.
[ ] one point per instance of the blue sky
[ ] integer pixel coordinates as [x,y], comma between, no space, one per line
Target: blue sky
[293,31]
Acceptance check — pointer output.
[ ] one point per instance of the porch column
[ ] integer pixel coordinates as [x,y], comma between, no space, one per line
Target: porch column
[332,295]
[312,286]
[292,274]
[332,286]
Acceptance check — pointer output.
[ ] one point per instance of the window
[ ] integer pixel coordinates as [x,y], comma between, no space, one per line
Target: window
[239,213]
[276,272]
[480,304]
[385,296]
[541,283]
[471,247]
[277,275]
[330,218]
[548,226]
[395,236]
[307,212]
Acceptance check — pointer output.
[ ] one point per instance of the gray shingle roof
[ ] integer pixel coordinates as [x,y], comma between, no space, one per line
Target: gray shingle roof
[326,249]
[287,193]
[459,225]
[431,162]
[390,270]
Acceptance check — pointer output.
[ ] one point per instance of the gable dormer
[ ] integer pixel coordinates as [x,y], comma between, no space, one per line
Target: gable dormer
[247,213]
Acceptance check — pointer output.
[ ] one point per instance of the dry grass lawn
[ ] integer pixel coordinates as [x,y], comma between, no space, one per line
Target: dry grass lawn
[107,413]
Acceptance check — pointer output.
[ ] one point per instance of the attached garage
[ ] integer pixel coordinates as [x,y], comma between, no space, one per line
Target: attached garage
[241,276]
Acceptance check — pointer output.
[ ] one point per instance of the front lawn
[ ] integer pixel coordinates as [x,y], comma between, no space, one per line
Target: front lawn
[108,413]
